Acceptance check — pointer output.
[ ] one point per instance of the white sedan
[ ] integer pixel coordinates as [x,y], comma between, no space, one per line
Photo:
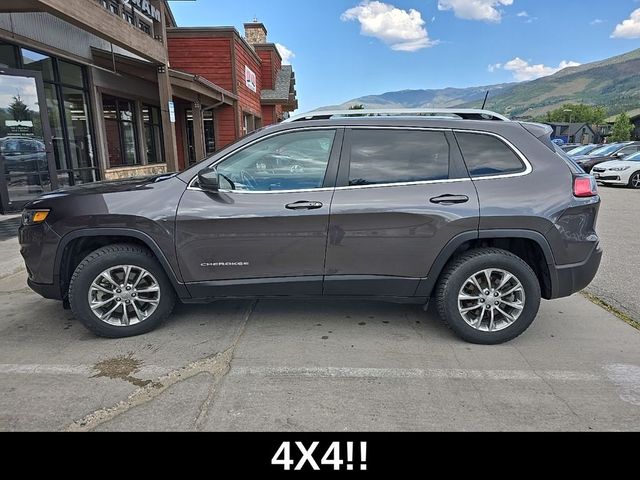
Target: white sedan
[619,172]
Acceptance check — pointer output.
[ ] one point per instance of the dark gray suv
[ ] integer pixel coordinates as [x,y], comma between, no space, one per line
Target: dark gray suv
[483,215]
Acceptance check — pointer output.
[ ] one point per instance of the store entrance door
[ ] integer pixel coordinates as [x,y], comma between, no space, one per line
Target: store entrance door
[27,164]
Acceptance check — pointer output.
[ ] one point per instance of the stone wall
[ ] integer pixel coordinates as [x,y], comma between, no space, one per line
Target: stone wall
[133,172]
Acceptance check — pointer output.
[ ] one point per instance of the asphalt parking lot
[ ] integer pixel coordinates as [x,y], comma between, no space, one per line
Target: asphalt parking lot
[330,366]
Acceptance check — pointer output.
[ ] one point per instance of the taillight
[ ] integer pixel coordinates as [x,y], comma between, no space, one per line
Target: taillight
[584,186]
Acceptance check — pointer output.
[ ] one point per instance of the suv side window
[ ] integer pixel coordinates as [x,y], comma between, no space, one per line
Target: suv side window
[291,161]
[486,155]
[397,156]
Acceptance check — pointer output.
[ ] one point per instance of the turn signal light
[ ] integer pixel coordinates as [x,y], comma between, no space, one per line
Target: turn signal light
[34,217]
[585,186]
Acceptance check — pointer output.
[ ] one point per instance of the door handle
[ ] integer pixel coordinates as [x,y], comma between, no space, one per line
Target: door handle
[304,206]
[450,199]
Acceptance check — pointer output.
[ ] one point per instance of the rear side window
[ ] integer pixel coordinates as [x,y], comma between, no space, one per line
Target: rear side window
[486,155]
[398,156]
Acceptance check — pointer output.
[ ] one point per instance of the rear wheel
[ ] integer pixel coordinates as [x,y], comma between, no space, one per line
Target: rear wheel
[634,181]
[121,291]
[488,296]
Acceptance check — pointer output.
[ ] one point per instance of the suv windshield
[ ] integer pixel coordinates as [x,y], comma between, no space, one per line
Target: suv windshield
[606,150]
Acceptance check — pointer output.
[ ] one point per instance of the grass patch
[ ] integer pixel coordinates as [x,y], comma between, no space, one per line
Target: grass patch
[611,309]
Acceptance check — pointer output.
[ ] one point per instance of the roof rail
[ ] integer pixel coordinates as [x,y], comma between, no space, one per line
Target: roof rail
[460,113]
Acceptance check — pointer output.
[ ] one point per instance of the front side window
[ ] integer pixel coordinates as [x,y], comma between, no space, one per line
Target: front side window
[292,161]
[627,151]
[392,156]
[486,155]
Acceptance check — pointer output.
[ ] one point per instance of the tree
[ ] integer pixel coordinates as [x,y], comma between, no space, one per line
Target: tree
[19,110]
[622,129]
[577,113]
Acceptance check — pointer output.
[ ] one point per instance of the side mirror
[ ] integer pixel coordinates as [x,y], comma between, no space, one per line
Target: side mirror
[209,180]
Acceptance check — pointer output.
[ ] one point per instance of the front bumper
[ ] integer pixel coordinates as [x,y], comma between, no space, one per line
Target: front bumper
[574,278]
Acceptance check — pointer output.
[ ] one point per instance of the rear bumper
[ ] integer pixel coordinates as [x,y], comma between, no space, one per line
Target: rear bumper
[570,279]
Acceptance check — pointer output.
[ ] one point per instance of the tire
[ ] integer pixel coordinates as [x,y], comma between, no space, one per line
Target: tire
[455,277]
[634,180]
[152,307]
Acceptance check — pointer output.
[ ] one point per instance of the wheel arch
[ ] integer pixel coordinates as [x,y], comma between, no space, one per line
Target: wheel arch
[76,245]
[529,245]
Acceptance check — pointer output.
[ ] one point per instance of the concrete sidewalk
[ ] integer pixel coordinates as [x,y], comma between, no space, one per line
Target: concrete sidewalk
[11,261]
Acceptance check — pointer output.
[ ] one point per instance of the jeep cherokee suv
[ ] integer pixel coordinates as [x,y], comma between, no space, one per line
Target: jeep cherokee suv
[483,215]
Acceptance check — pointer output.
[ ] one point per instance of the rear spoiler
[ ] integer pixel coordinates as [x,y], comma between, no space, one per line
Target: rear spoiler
[541,131]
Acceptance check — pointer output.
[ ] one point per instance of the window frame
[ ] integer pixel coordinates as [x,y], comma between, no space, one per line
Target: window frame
[329,183]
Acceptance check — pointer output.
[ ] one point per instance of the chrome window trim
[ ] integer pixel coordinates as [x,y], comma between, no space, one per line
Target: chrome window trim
[528,167]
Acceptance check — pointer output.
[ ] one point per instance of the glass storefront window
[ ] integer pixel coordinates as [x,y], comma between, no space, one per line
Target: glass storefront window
[55,122]
[71,74]
[153,134]
[119,116]
[39,62]
[8,57]
[78,132]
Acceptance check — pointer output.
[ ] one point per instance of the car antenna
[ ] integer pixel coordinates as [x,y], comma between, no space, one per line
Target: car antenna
[486,97]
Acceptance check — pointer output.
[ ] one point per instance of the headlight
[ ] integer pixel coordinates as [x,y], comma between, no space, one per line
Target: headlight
[619,169]
[34,217]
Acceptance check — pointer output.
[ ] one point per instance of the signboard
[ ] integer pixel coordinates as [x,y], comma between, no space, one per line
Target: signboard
[250,79]
[172,112]
[19,128]
[145,7]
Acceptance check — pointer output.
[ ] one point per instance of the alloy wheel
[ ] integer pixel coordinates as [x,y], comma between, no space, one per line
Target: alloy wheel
[124,295]
[491,300]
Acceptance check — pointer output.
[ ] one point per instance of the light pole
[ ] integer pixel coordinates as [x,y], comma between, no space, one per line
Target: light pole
[570,112]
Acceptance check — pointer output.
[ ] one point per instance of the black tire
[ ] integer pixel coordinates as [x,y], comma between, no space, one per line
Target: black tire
[462,268]
[631,180]
[99,261]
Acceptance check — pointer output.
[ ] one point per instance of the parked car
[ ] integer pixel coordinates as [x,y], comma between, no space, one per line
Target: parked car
[23,155]
[569,146]
[620,172]
[584,150]
[615,151]
[483,217]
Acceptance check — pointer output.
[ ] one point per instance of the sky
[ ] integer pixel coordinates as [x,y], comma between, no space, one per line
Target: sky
[345,49]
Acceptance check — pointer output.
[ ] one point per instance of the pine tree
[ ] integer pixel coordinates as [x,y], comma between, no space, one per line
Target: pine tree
[622,129]
[19,110]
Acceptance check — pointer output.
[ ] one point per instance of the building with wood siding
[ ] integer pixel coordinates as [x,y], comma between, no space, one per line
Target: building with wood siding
[123,91]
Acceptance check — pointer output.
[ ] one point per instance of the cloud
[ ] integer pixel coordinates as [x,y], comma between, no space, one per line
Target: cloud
[523,70]
[487,10]
[286,54]
[523,14]
[402,30]
[630,28]
[597,21]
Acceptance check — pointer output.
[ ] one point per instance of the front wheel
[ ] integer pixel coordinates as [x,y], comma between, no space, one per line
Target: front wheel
[121,291]
[634,181]
[488,296]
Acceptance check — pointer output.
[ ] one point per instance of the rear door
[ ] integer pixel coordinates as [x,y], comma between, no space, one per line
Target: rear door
[402,195]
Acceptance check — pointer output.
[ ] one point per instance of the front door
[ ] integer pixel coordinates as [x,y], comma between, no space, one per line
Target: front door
[265,232]
[402,196]
[26,159]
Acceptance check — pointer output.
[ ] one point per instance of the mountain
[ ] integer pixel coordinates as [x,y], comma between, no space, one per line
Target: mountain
[613,83]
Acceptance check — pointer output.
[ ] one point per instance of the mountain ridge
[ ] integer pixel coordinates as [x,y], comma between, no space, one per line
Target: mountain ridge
[613,83]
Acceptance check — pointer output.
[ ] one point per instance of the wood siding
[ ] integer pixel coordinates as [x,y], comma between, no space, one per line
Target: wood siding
[209,57]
